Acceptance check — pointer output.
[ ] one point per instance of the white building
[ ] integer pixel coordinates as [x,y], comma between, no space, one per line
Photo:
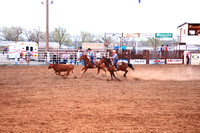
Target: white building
[189,33]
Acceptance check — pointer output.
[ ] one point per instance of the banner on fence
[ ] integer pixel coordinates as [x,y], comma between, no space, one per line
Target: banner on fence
[157,61]
[138,61]
[195,59]
[174,61]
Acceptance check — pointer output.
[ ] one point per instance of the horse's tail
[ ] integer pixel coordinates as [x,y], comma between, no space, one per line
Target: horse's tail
[131,66]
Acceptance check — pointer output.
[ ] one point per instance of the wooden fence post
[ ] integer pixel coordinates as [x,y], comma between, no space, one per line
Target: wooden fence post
[166,52]
[181,54]
[146,53]
[128,56]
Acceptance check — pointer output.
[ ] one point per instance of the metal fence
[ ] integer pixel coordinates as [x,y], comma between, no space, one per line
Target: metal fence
[54,56]
[71,56]
[177,54]
[5,60]
[149,55]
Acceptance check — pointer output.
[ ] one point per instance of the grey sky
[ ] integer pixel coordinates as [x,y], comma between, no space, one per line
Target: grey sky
[101,16]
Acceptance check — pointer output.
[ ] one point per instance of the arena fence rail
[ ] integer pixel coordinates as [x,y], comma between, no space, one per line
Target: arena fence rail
[71,57]
[43,58]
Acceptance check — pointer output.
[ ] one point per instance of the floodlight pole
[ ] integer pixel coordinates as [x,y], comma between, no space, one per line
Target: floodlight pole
[47,26]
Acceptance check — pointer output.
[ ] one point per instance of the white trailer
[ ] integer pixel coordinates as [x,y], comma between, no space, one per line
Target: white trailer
[15,49]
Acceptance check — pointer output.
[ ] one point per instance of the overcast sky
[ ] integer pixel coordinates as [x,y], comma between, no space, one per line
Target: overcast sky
[100,16]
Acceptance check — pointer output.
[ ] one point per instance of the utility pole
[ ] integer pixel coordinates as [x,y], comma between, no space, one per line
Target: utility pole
[47,26]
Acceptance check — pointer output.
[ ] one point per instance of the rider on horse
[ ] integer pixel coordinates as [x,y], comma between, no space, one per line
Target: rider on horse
[91,56]
[114,58]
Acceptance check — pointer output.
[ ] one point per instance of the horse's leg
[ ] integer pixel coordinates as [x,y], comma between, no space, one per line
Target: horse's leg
[115,76]
[104,70]
[98,70]
[111,74]
[125,73]
[84,71]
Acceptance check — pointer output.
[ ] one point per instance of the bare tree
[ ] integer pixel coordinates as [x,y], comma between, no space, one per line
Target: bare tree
[130,41]
[60,35]
[100,38]
[154,42]
[35,35]
[12,34]
[111,39]
[87,37]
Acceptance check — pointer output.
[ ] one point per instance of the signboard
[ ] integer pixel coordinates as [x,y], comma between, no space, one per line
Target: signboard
[174,61]
[131,34]
[182,43]
[195,59]
[138,61]
[157,61]
[147,35]
[163,35]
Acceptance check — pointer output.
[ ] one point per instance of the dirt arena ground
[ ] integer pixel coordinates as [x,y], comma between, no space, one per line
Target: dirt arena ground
[153,99]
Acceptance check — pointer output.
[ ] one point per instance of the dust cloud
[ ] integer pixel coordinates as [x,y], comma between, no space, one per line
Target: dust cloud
[177,73]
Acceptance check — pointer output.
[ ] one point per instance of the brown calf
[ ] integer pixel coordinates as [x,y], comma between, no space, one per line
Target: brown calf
[58,68]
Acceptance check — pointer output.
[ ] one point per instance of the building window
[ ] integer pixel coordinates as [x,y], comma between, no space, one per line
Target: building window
[27,48]
[193,29]
[191,32]
[31,48]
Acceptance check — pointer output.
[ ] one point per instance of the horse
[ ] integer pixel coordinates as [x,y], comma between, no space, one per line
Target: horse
[88,64]
[120,66]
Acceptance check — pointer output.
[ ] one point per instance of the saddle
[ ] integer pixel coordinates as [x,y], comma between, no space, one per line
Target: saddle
[110,66]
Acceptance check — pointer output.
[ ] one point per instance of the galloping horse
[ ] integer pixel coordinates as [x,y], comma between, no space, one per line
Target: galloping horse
[88,64]
[120,66]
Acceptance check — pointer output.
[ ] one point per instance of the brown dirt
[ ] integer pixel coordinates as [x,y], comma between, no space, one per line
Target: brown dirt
[154,98]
